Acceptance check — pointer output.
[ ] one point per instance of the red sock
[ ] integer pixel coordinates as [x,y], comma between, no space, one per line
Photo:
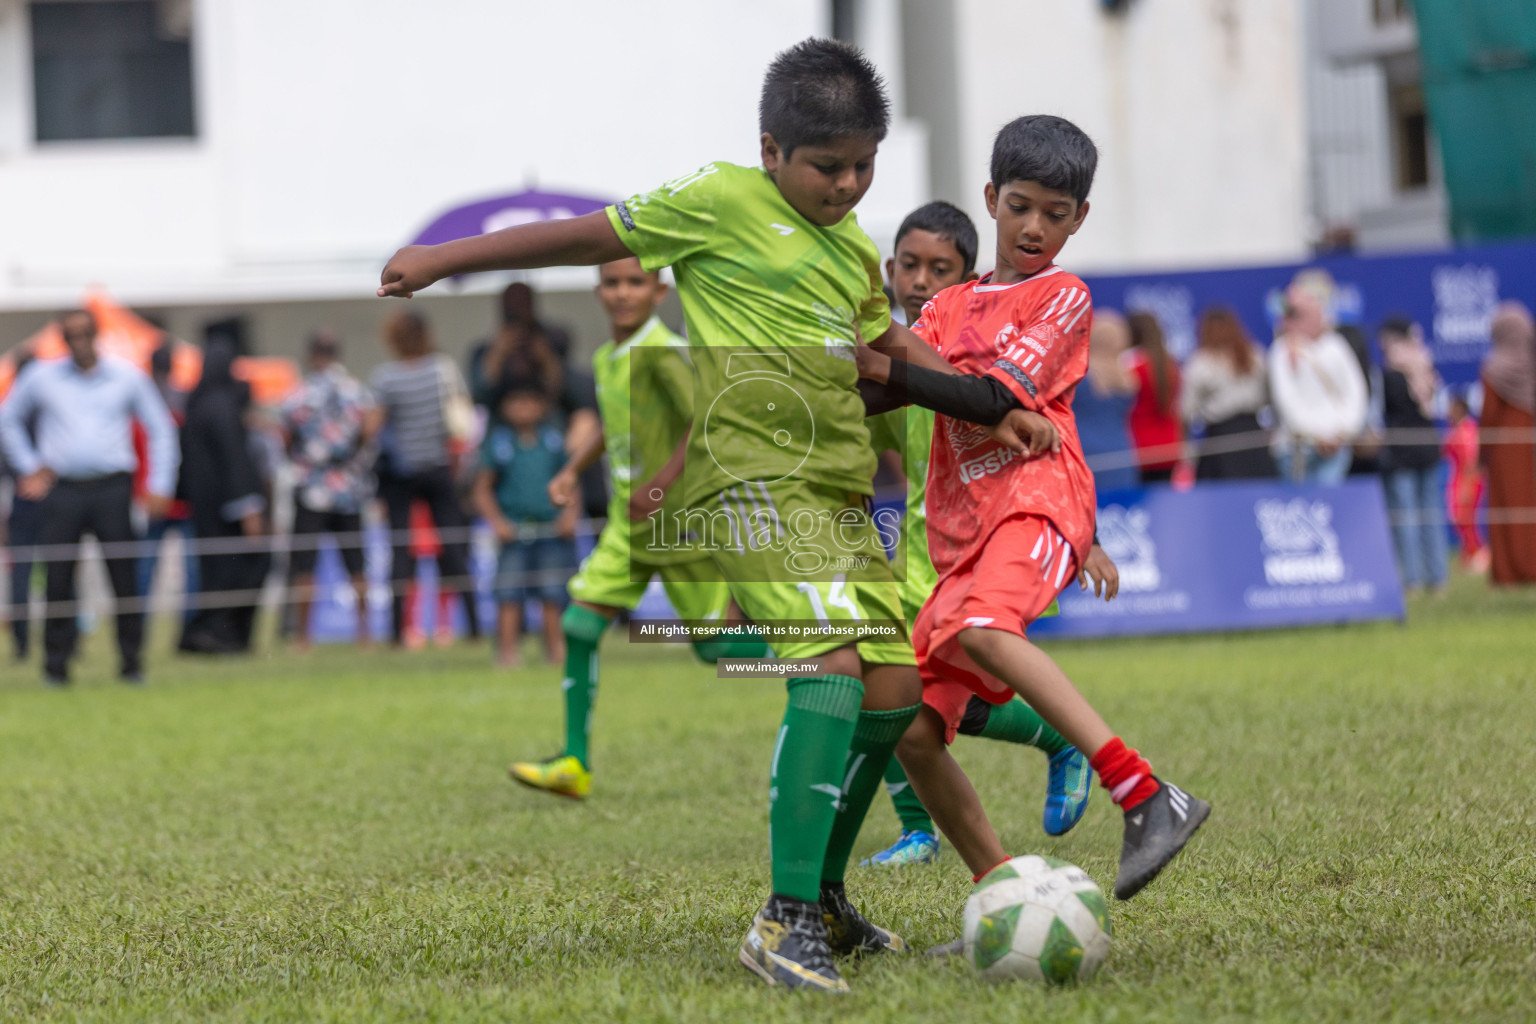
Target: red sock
[1125,773]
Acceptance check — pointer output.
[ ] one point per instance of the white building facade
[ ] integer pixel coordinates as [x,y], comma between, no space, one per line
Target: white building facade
[296,143]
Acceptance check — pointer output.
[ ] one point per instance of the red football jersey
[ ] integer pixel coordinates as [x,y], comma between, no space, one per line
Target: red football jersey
[1033,337]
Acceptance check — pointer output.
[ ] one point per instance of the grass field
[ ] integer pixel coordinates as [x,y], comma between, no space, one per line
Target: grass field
[334,838]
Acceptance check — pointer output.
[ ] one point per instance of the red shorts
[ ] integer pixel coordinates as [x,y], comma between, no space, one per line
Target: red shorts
[1021,570]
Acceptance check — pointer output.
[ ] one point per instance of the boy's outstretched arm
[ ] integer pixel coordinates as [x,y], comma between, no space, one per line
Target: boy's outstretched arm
[900,342]
[576,242]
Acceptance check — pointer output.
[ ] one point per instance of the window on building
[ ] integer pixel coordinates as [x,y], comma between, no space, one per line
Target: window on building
[1388,12]
[111,69]
[842,20]
[1410,137]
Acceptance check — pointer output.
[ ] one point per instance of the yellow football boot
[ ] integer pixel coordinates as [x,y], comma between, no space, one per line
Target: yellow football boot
[562,776]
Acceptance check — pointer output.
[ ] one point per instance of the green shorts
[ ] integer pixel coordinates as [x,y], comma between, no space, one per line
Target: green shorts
[916,576]
[796,555]
[609,576]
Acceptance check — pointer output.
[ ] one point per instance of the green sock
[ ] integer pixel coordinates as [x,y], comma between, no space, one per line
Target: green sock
[1017,722]
[914,816]
[807,779]
[736,642]
[583,629]
[874,739]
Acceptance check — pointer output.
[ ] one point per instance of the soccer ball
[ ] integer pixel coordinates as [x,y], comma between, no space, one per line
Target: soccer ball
[1039,918]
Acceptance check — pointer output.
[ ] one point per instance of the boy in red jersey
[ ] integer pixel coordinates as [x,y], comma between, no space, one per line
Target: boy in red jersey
[1007,531]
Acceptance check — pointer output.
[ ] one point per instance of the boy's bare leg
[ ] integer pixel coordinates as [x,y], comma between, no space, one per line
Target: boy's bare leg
[360,588]
[941,784]
[554,635]
[1032,674]
[1160,817]
[509,632]
[887,687]
[303,598]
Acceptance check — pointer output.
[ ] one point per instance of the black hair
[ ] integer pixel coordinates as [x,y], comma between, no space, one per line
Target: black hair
[1050,150]
[819,90]
[80,311]
[520,389]
[1396,323]
[947,221]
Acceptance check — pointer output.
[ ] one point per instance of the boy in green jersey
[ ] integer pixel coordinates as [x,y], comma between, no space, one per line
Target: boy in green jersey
[645,400]
[935,249]
[777,284]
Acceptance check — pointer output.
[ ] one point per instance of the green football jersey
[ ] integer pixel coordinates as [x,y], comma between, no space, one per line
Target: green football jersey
[772,303]
[645,399]
[910,432]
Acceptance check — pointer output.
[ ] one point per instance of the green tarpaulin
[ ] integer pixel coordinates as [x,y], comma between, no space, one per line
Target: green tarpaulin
[1479,67]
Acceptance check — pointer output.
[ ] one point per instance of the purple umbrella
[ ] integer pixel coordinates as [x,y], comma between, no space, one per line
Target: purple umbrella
[489,215]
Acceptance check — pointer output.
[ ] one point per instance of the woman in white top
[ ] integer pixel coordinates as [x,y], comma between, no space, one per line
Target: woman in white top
[1318,392]
[1225,386]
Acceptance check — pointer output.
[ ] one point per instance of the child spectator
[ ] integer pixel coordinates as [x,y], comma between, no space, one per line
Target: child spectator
[1155,426]
[519,457]
[1225,386]
[1103,408]
[1464,490]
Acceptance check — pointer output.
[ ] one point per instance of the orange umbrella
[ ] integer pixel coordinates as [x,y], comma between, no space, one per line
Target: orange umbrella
[125,334]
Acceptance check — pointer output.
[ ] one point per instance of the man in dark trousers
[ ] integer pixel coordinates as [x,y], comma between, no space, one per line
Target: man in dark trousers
[80,467]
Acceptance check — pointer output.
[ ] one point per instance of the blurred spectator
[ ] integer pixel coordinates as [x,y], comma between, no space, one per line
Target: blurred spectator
[1225,386]
[1102,404]
[1509,404]
[21,528]
[520,456]
[328,426]
[521,354]
[1464,490]
[1411,471]
[1365,451]
[1318,392]
[415,392]
[1156,429]
[526,351]
[179,517]
[81,469]
[222,482]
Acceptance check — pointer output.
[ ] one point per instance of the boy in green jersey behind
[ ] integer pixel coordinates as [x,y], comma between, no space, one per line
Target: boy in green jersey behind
[645,400]
[936,248]
[777,284]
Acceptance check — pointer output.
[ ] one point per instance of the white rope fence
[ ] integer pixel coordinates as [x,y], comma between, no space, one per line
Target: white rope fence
[281,545]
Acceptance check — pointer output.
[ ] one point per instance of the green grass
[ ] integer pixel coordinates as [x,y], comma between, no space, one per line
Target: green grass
[334,838]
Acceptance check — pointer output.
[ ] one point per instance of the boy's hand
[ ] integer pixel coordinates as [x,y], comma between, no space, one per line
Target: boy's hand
[872,365]
[1098,568]
[504,530]
[408,271]
[565,525]
[562,488]
[1028,433]
[35,486]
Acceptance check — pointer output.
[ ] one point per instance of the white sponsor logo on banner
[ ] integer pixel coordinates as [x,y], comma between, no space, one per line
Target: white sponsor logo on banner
[1465,298]
[1126,537]
[1300,545]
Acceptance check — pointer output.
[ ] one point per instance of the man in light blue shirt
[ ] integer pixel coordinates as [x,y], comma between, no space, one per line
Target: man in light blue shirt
[81,467]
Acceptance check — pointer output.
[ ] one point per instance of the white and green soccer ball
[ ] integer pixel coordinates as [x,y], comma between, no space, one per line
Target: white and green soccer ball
[1038,918]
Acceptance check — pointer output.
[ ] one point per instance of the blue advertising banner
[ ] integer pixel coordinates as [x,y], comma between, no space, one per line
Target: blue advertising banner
[1222,556]
[1227,556]
[1451,294]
